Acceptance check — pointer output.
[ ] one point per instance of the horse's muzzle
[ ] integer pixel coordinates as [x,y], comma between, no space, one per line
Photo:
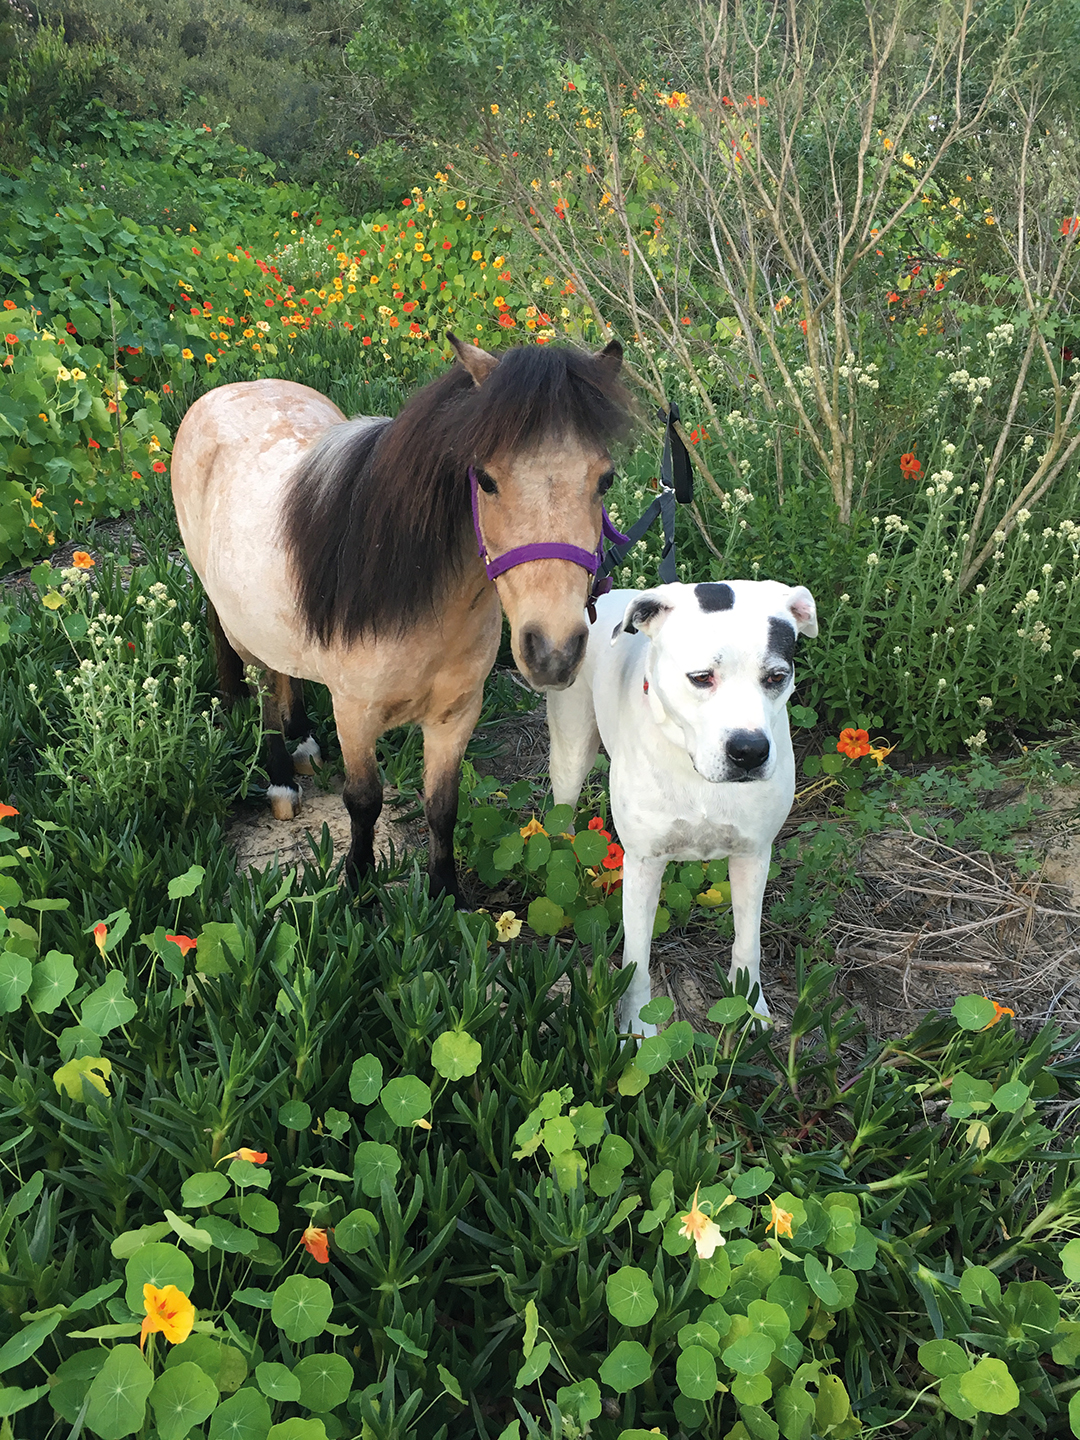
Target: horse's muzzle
[548,667]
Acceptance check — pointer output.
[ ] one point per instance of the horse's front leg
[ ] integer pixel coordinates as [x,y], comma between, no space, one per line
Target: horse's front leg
[444,746]
[358,730]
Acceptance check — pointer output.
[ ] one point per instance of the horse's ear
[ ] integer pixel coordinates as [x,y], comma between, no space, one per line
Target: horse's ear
[611,358]
[477,362]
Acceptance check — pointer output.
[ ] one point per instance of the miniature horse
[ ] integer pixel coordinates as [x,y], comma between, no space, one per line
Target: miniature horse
[346,551]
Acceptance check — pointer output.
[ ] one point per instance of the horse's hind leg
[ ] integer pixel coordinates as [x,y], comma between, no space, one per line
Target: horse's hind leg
[282,789]
[444,746]
[358,730]
[230,667]
[307,756]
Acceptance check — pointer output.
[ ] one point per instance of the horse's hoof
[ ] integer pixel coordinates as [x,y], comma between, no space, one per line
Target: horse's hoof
[307,757]
[284,801]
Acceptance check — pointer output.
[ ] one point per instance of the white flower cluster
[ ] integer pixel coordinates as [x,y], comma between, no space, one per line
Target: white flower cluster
[1003,334]
[973,384]
[862,375]
[895,526]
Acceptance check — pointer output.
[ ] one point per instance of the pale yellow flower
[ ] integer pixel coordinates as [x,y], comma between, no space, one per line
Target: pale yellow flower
[704,1232]
[507,926]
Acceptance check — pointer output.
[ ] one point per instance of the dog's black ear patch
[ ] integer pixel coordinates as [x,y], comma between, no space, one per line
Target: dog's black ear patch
[714,595]
[642,613]
[781,639]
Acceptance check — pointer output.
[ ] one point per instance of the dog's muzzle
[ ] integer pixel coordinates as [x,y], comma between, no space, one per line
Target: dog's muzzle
[747,751]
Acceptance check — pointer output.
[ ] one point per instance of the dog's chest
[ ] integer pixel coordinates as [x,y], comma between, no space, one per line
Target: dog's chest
[694,839]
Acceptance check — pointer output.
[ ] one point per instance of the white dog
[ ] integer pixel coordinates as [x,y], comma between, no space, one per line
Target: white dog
[689,694]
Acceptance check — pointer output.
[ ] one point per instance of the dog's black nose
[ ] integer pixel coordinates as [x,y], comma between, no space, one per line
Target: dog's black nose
[549,666]
[748,748]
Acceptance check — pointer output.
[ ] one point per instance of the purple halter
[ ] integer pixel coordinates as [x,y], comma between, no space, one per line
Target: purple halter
[589,560]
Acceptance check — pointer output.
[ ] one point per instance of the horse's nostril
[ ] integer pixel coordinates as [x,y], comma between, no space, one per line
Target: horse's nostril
[748,748]
[574,649]
[534,647]
[547,664]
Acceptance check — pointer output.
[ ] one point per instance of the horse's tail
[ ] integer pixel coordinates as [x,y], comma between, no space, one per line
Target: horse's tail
[230,667]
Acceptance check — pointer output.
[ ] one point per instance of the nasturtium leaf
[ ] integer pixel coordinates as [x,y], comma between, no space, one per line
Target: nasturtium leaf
[943,1357]
[455,1055]
[16,973]
[158,1265]
[654,1053]
[220,946]
[405,1099]
[450,1383]
[277,1381]
[203,1188]
[27,1342]
[546,917]
[257,1299]
[752,1182]
[355,1230]
[795,1412]
[821,1282]
[373,1164]
[751,1389]
[537,852]
[78,1042]
[14,1398]
[626,1208]
[182,1397]
[628,1365]
[1011,1096]
[633,1079]
[768,1319]
[187,883]
[591,924]
[569,1168]
[224,1235]
[590,847]
[658,1011]
[793,1297]
[126,1243]
[695,1373]
[534,1366]
[604,1180]
[973,1012]
[630,1296]
[1074,1413]
[297,1429]
[366,1080]
[116,1401]
[714,1275]
[1070,1259]
[296,1114]
[191,1235]
[979,1284]
[91,1069]
[225,1364]
[258,1213]
[990,1387]
[325,1381]
[532,1327]
[581,1401]
[700,1333]
[53,980]
[108,1006]
[558,1135]
[749,1354]
[618,1153]
[243,1416]
[680,1040]
[245,1173]
[302,1307]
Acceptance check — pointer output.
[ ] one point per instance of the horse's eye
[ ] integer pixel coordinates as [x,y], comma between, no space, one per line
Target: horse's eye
[486,483]
[604,484]
[701,679]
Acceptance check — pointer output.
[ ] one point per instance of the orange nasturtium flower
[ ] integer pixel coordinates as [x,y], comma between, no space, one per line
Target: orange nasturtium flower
[168,1310]
[315,1243]
[853,743]
[780,1220]
[880,751]
[100,931]
[532,828]
[256,1157]
[999,1011]
[82,560]
[704,1232]
[184,941]
[6,810]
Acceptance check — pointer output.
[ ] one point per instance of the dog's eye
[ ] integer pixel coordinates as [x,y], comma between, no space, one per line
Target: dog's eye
[777,678]
[604,484]
[486,483]
[701,679]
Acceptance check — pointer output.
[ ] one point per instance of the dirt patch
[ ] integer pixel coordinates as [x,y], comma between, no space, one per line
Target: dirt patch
[259,840]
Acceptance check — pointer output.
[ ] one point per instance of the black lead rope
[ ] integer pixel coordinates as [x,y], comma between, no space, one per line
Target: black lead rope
[676,488]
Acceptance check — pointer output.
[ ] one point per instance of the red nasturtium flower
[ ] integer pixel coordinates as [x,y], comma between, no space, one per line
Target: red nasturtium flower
[93,445]
[6,811]
[100,931]
[315,1243]
[159,466]
[909,466]
[168,1310]
[184,941]
[596,823]
[853,743]
[614,858]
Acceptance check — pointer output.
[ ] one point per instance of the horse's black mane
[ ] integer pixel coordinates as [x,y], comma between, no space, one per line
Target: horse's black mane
[377,516]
